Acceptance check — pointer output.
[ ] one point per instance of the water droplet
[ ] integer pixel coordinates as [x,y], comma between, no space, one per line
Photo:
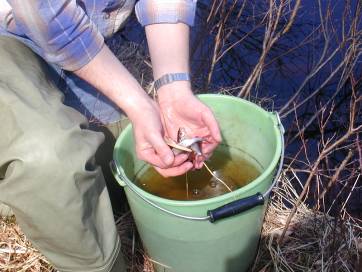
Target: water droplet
[195,191]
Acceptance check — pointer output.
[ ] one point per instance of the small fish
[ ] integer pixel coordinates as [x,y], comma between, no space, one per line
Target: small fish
[177,148]
[196,147]
[191,145]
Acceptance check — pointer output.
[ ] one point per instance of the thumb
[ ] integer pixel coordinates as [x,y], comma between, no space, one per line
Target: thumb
[162,150]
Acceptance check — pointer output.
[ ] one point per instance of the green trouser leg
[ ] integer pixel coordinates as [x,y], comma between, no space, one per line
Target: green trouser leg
[47,171]
[103,157]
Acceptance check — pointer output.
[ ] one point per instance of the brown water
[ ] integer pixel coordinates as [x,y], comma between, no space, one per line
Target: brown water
[200,184]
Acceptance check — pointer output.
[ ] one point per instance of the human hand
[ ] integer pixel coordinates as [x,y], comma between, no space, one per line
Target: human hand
[180,108]
[108,75]
[150,144]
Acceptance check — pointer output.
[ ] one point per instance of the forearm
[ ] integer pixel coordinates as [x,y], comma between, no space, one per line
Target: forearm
[109,76]
[169,50]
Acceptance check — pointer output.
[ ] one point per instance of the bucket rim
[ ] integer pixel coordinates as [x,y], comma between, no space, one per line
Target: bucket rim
[221,198]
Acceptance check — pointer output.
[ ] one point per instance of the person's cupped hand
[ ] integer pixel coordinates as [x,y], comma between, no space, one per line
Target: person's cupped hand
[150,144]
[180,108]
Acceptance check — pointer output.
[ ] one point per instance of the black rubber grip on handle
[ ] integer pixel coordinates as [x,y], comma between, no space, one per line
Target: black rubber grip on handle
[235,207]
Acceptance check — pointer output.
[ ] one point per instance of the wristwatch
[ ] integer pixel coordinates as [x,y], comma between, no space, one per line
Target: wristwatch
[169,78]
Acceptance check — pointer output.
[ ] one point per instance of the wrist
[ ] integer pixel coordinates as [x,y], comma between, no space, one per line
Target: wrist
[168,78]
[174,91]
[135,103]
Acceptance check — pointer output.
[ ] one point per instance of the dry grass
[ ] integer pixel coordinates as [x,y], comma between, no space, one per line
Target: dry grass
[16,252]
[313,241]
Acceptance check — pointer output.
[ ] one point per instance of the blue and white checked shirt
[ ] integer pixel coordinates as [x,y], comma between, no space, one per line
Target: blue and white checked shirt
[70,33]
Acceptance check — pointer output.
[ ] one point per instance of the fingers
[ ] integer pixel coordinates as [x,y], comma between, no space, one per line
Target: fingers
[178,167]
[199,162]
[210,121]
[175,171]
[208,147]
[150,156]
[163,150]
[207,150]
[181,158]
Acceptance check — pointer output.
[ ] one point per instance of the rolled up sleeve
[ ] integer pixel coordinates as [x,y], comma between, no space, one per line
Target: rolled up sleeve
[64,33]
[165,11]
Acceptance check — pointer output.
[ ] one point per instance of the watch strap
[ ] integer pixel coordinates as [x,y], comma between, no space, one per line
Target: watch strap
[169,78]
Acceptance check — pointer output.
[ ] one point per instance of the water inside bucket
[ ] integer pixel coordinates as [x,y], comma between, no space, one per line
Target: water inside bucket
[235,171]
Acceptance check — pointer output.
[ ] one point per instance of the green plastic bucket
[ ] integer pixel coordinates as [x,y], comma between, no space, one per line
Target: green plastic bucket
[216,234]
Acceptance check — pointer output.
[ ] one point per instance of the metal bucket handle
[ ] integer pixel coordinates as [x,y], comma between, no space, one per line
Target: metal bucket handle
[227,210]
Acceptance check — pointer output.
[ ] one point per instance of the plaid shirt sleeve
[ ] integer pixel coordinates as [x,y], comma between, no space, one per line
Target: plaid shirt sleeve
[65,34]
[165,11]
